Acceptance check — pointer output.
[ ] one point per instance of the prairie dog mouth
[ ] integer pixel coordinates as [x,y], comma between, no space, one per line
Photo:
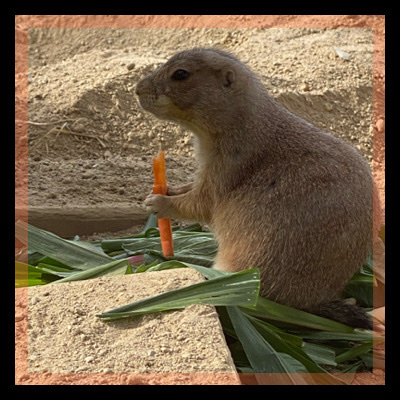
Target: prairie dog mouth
[162,100]
[158,105]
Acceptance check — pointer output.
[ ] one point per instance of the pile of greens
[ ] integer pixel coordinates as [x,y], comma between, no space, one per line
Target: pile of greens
[264,337]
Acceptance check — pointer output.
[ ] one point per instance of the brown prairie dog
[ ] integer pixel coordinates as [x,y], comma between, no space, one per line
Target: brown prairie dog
[279,193]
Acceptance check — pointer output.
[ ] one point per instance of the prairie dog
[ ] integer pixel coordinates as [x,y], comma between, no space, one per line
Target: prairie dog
[279,193]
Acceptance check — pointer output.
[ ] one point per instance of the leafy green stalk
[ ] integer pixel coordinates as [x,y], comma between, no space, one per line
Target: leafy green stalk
[118,267]
[65,251]
[239,288]
[269,310]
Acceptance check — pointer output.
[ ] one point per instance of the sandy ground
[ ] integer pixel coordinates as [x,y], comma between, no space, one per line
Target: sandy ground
[70,338]
[90,145]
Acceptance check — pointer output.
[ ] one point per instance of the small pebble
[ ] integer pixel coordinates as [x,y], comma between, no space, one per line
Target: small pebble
[130,66]
[305,87]
[34,300]
[342,54]
[78,128]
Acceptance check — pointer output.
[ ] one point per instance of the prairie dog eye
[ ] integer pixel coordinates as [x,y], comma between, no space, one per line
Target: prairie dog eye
[180,75]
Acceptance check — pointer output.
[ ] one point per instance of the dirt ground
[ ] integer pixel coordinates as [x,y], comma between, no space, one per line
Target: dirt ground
[82,141]
[89,143]
[71,339]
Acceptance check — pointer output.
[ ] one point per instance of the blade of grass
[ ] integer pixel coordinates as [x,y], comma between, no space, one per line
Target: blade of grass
[239,288]
[279,345]
[355,336]
[53,270]
[62,250]
[354,352]
[27,275]
[178,256]
[320,354]
[309,356]
[119,267]
[262,356]
[268,353]
[186,242]
[271,311]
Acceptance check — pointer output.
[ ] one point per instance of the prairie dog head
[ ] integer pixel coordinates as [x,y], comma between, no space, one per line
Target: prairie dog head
[195,86]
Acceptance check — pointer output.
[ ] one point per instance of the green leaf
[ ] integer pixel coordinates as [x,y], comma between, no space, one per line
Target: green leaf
[355,336]
[368,358]
[274,334]
[308,356]
[261,355]
[352,368]
[65,251]
[27,275]
[271,311]
[239,288]
[152,222]
[320,354]
[189,245]
[354,352]
[363,293]
[47,260]
[150,229]
[56,271]
[209,273]
[278,363]
[173,264]
[185,243]
[157,255]
[119,267]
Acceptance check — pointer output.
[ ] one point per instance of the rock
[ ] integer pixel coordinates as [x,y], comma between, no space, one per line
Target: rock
[86,175]
[305,87]
[79,128]
[342,54]
[107,154]
[130,66]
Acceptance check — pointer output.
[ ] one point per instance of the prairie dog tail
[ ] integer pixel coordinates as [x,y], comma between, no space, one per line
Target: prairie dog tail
[348,314]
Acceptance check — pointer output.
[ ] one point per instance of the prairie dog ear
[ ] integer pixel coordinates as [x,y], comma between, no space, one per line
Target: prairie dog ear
[228,77]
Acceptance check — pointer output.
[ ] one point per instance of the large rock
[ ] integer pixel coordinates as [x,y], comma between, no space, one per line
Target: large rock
[65,335]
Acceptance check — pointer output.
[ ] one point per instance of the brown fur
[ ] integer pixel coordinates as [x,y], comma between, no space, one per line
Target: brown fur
[279,193]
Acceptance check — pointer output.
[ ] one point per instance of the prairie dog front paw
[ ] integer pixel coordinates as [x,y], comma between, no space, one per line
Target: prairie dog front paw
[157,204]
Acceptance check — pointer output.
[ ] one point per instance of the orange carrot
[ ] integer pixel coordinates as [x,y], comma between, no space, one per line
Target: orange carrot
[160,187]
